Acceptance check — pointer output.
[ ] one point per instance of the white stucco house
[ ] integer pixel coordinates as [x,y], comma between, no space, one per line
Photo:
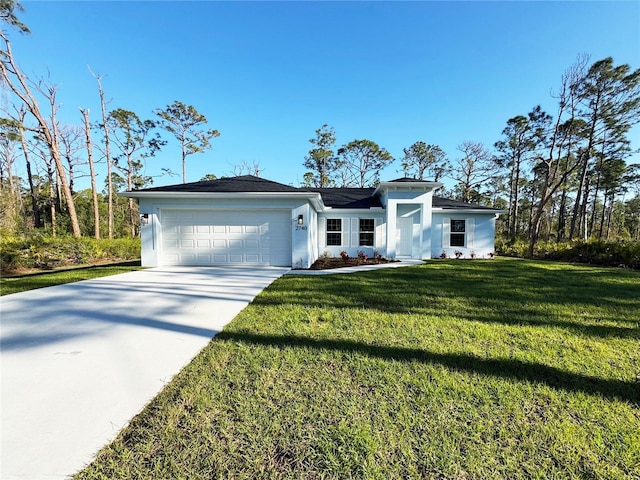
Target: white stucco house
[251,220]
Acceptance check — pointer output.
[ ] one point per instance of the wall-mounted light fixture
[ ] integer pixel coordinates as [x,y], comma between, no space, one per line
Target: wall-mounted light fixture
[300,220]
[144,219]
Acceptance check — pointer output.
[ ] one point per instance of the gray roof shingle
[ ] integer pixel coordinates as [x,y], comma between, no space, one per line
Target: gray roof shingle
[447,203]
[348,197]
[332,197]
[244,183]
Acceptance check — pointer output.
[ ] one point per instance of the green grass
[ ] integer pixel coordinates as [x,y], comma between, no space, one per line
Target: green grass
[32,281]
[454,370]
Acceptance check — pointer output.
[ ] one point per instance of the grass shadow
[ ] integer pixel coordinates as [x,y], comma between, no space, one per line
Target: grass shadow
[502,368]
[500,292]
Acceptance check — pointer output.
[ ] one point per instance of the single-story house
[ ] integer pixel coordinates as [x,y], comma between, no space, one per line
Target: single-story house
[251,220]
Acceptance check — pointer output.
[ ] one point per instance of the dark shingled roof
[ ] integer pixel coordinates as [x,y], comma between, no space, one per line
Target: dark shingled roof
[332,197]
[244,183]
[455,204]
[348,197]
[407,180]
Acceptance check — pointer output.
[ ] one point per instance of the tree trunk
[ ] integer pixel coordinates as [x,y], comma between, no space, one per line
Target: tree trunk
[94,190]
[594,204]
[132,223]
[510,211]
[516,199]
[578,201]
[561,216]
[583,210]
[107,152]
[184,162]
[52,197]
[37,221]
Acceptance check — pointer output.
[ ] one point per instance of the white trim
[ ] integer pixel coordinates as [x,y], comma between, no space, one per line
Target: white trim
[355,232]
[446,232]
[352,211]
[469,230]
[407,186]
[322,232]
[457,211]
[314,198]
[378,233]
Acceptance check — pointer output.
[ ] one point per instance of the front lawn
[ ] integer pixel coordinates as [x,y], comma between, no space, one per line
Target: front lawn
[453,370]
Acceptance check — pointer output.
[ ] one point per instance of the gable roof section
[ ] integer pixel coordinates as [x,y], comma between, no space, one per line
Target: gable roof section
[348,197]
[448,204]
[408,180]
[356,198]
[244,183]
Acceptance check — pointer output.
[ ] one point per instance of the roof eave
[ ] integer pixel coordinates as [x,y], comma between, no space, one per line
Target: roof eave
[314,198]
[354,210]
[410,186]
[467,210]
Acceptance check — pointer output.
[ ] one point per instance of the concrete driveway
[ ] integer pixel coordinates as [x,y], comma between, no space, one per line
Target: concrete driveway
[78,361]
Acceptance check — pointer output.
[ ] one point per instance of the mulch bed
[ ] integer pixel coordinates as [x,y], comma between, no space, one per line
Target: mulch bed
[337,262]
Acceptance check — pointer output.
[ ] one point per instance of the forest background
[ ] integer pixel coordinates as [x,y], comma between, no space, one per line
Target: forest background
[565,175]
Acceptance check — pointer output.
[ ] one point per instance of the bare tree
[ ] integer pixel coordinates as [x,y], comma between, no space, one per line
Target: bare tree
[92,172]
[37,221]
[473,170]
[18,83]
[560,160]
[246,168]
[107,153]
[70,145]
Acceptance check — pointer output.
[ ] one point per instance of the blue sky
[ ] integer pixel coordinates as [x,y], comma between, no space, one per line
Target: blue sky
[268,74]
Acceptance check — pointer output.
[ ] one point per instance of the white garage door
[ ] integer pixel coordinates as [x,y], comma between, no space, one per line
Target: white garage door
[207,237]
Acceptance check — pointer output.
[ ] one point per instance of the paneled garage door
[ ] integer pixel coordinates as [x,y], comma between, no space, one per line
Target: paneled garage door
[207,237]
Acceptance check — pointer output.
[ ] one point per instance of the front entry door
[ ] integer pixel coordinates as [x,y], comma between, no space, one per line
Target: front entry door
[404,236]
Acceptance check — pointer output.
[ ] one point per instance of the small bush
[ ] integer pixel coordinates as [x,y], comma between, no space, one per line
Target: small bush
[39,251]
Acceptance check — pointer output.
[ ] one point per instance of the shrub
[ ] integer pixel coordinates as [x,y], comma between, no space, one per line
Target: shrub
[45,252]
[618,253]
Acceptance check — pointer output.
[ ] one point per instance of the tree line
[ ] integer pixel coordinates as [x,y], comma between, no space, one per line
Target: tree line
[558,176]
[52,151]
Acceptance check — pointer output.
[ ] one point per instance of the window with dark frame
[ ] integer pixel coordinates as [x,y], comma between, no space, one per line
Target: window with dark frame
[367,228]
[458,232]
[334,231]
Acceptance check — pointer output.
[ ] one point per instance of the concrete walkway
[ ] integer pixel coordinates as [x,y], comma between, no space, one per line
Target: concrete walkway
[78,361]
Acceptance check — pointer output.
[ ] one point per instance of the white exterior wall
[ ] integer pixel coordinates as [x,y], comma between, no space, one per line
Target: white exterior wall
[350,233]
[308,241]
[303,254]
[302,245]
[397,203]
[479,240]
